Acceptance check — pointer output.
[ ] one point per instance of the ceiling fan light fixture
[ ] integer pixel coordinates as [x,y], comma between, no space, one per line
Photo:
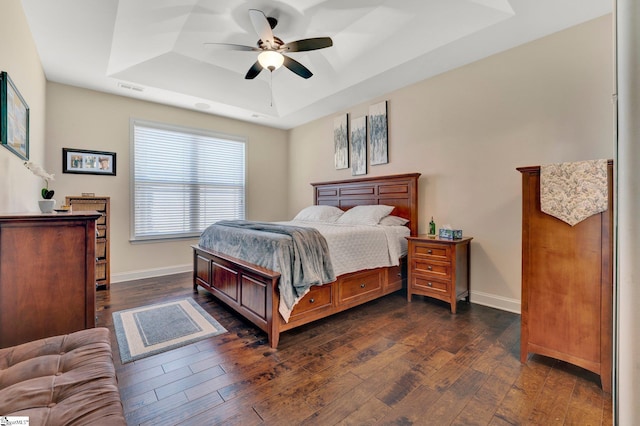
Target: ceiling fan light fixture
[271,60]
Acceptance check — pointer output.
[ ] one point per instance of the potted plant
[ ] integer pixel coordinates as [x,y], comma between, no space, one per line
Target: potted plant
[47,204]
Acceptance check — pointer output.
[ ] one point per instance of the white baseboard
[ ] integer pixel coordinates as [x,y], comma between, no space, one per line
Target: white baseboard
[486,299]
[150,273]
[498,302]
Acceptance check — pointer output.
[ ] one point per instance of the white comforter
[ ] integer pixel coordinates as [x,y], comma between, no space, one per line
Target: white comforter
[353,248]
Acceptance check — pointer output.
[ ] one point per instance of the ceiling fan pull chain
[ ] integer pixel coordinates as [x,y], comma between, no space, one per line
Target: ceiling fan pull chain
[271,86]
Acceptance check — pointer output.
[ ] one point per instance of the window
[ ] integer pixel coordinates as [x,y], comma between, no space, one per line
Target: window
[183,180]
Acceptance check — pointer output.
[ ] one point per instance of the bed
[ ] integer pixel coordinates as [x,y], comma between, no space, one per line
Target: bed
[252,290]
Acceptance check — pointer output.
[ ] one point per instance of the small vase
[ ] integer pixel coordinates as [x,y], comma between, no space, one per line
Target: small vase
[47,206]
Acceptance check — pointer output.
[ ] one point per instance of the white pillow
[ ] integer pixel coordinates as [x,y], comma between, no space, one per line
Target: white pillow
[319,214]
[393,221]
[365,215]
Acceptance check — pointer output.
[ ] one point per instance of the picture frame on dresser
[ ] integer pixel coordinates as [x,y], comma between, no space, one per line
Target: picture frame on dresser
[86,161]
[14,118]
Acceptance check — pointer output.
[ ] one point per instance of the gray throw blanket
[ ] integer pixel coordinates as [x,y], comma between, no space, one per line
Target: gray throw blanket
[300,254]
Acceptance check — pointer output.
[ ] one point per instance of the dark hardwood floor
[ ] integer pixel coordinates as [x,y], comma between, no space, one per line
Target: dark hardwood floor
[387,362]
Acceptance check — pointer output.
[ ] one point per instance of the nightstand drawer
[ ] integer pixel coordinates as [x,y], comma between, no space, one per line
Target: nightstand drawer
[429,285]
[440,270]
[439,252]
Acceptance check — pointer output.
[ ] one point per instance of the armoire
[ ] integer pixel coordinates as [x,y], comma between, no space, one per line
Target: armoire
[567,283]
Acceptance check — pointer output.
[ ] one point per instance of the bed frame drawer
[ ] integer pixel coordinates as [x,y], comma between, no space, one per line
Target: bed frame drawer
[363,285]
[318,298]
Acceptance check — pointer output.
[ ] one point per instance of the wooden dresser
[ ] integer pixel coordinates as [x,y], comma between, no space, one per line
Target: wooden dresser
[101,205]
[47,275]
[439,268]
[567,283]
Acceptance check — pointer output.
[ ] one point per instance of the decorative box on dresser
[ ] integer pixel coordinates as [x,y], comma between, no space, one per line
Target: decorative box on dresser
[567,283]
[439,268]
[47,275]
[101,205]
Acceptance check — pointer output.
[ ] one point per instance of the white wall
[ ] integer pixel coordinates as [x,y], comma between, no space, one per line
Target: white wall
[628,201]
[467,130]
[19,188]
[85,119]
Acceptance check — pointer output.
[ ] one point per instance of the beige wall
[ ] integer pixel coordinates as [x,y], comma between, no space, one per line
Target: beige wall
[467,130]
[19,189]
[85,119]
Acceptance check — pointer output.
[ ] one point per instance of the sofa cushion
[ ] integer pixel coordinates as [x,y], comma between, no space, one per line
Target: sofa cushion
[61,380]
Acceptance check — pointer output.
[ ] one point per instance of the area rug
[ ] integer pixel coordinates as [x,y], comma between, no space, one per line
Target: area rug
[152,329]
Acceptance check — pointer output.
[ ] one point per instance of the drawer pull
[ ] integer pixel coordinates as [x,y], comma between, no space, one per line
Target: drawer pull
[312,300]
[429,251]
[362,285]
[429,267]
[429,284]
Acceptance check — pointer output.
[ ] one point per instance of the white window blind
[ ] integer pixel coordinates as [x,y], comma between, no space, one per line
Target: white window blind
[184,180]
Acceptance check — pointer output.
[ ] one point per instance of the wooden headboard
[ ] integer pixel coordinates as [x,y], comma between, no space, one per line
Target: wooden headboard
[400,191]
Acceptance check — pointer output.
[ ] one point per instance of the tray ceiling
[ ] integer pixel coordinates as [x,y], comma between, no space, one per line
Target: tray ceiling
[154,49]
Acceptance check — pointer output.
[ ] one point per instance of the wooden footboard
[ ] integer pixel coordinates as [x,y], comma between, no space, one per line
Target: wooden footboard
[248,289]
[252,291]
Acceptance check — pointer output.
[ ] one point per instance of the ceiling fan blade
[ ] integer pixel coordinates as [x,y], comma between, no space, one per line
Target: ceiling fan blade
[253,71]
[262,26]
[297,67]
[308,44]
[230,46]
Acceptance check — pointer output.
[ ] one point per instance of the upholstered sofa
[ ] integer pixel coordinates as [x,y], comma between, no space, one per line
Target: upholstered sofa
[61,380]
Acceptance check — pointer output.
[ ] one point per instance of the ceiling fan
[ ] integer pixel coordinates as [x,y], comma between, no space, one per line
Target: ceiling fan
[272,48]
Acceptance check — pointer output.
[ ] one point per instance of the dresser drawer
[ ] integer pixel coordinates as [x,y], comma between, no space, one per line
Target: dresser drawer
[439,252]
[440,270]
[360,285]
[88,205]
[101,248]
[101,271]
[318,298]
[429,285]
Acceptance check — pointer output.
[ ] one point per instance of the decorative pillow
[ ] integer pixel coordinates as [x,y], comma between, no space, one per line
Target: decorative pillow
[393,221]
[319,214]
[365,215]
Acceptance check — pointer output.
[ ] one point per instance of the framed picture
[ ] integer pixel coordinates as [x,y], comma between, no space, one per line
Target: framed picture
[359,146]
[88,162]
[14,118]
[341,142]
[378,134]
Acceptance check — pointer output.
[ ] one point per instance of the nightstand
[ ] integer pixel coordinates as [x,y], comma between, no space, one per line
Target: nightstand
[439,268]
